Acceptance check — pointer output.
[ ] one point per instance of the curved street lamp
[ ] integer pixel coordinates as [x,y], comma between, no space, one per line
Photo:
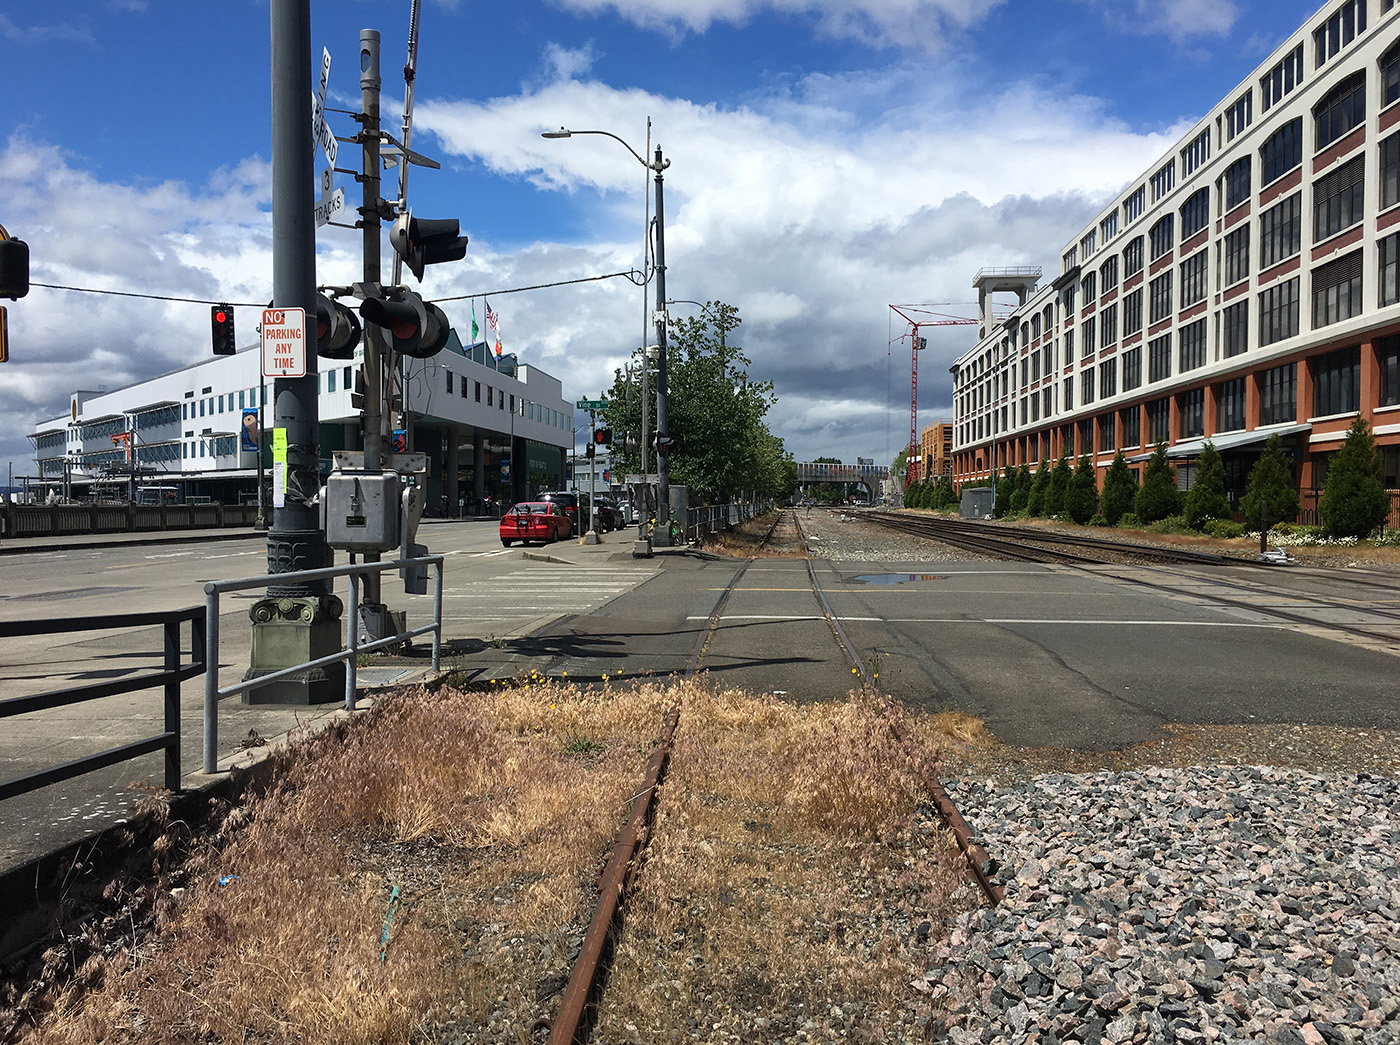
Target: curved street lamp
[662,535]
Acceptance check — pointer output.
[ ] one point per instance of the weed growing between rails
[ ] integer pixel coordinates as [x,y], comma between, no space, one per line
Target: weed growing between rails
[795,877]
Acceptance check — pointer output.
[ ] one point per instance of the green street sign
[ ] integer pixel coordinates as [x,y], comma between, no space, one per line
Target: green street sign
[591,404]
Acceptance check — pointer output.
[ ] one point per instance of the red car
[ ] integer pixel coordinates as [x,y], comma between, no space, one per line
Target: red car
[541,521]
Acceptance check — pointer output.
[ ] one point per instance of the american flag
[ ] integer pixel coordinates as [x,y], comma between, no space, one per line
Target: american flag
[492,319]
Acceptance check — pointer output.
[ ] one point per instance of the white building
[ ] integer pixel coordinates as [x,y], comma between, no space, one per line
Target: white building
[491,429]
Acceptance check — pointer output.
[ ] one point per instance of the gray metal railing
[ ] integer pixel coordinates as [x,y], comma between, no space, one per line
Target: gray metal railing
[715,518]
[169,678]
[355,572]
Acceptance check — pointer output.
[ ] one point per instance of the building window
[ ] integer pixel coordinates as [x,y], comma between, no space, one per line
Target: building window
[1191,341]
[1048,399]
[1236,181]
[1088,244]
[1281,153]
[1389,272]
[1159,298]
[1193,278]
[1237,256]
[1229,406]
[1337,199]
[1109,227]
[1342,28]
[1159,358]
[1069,347]
[1240,115]
[1195,213]
[1132,206]
[1086,387]
[1278,312]
[1164,180]
[1195,153]
[1108,436]
[1132,369]
[1337,382]
[1161,236]
[1193,414]
[1090,344]
[1069,259]
[478,390]
[1132,312]
[1278,395]
[1388,356]
[1280,231]
[1069,394]
[1159,413]
[1235,332]
[1132,257]
[1089,284]
[1108,275]
[1280,81]
[1108,325]
[449,381]
[1086,436]
[1341,109]
[1337,290]
[1132,426]
[330,381]
[490,396]
[1390,171]
[1108,379]
[1390,76]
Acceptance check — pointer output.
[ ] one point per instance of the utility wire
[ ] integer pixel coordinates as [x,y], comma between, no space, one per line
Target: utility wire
[631,274]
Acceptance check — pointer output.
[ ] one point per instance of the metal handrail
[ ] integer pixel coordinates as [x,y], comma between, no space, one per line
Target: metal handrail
[354,572]
[169,679]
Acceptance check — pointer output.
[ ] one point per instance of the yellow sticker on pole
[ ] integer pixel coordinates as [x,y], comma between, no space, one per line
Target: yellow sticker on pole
[279,468]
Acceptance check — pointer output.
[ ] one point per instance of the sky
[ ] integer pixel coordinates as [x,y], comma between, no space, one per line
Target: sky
[829,158]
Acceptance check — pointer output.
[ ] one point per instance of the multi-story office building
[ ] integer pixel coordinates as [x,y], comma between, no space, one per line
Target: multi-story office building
[1247,283]
[493,430]
[936,449]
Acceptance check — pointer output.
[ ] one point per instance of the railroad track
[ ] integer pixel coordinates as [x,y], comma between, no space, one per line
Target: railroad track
[1033,544]
[571,1022]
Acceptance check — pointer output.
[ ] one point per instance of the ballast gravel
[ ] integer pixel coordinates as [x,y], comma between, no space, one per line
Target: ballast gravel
[1187,905]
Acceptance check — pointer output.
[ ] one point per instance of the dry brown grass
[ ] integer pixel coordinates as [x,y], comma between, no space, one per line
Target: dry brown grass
[791,867]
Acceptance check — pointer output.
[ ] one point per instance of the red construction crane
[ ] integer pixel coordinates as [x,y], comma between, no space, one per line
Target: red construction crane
[918,343]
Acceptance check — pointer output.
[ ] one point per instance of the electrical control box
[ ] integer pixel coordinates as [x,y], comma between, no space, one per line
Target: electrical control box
[363,510]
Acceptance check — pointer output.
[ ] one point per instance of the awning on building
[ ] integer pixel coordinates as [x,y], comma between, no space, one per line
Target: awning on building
[1226,441]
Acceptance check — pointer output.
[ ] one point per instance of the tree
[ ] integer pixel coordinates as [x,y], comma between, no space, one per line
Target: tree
[1035,500]
[1081,492]
[1354,501]
[1059,486]
[943,492]
[1006,486]
[1271,482]
[1206,499]
[1020,497]
[1119,490]
[720,447]
[1158,496]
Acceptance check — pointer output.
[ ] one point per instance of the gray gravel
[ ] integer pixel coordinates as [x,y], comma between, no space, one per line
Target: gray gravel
[1188,905]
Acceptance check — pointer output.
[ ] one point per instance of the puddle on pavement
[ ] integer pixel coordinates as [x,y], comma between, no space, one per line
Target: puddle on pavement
[896,578]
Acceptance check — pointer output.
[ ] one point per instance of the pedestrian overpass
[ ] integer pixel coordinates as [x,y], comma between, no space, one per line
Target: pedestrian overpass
[870,476]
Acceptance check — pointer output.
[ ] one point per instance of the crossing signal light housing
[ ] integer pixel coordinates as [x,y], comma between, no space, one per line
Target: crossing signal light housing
[221,320]
[427,241]
[14,266]
[416,327]
[337,329]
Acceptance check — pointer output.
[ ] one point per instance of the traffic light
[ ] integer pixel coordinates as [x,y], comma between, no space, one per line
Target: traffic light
[589,451]
[14,266]
[427,241]
[337,329]
[602,436]
[661,444]
[221,319]
[416,327]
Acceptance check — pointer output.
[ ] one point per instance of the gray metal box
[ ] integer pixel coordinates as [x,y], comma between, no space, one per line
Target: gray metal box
[362,510]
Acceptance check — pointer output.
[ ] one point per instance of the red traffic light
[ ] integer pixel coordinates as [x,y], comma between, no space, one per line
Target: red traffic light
[221,322]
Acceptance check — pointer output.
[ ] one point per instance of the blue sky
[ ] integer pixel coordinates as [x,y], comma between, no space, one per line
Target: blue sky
[829,157]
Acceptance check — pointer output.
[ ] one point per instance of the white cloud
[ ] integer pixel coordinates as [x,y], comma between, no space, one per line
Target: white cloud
[898,23]
[1178,20]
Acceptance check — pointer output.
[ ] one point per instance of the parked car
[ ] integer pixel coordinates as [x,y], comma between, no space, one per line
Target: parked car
[608,517]
[569,502]
[541,521]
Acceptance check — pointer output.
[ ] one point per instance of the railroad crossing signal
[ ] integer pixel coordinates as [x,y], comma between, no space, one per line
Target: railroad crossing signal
[417,328]
[14,267]
[427,241]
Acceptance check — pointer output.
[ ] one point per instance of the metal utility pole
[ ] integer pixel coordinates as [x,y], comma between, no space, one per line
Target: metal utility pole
[374,414]
[663,454]
[298,622]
